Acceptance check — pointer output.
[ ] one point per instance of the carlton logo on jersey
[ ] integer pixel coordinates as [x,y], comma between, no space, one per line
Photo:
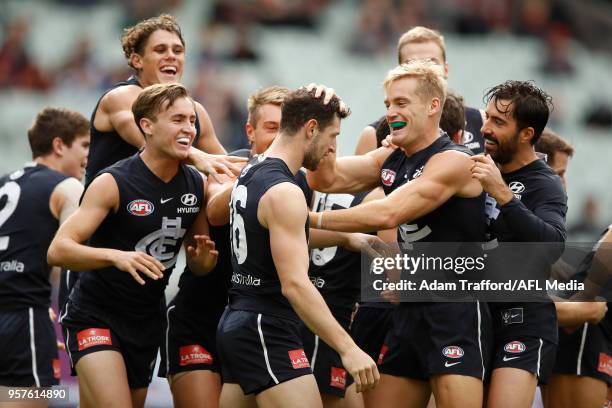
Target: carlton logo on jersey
[515,347]
[163,243]
[387,176]
[452,352]
[140,208]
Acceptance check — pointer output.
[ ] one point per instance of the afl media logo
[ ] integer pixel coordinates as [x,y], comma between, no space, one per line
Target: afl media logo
[387,176]
[189,199]
[140,208]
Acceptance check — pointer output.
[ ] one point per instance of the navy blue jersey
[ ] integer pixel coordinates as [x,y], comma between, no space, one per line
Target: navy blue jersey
[26,230]
[153,217]
[107,148]
[255,283]
[457,220]
[335,271]
[472,138]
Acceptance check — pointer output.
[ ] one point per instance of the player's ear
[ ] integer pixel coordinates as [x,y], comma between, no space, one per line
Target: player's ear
[250,132]
[136,61]
[146,125]
[57,145]
[526,134]
[435,106]
[311,127]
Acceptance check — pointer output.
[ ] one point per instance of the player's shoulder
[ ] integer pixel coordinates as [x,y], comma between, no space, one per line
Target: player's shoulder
[120,97]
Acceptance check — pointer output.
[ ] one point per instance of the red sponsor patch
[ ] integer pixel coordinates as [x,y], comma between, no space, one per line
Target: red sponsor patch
[298,358]
[57,371]
[338,378]
[93,337]
[605,364]
[140,208]
[381,356]
[387,177]
[194,354]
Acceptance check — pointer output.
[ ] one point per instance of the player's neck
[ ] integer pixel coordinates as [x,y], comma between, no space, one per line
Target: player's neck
[520,160]
[49,162]
[164,167]
[288,149]
[421,142]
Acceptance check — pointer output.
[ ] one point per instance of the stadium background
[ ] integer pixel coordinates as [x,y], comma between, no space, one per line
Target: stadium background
[66,52]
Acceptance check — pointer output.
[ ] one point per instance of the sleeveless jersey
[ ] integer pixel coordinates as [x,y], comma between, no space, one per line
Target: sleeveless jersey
[255,283]
[153,217]
[27,228]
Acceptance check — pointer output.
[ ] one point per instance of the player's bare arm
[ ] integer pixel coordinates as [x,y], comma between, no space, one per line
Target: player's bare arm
[571,314]
[445,175]
[208,140]
[367,141]
[218,195]
[283,212]
[349,174]
[200,249]
[67,249]
[65,198]
[115,112]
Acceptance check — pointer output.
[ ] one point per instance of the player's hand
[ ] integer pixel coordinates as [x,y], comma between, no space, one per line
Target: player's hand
[137,263]
[52,315]
[357,242]
[361,367]
[388,142]
[485,171]
[329,94]
[215,164]
[203,253]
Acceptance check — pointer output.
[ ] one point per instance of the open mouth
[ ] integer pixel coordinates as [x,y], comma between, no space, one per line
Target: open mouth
[490,140]
[169,70]
[397,125]
[183,141]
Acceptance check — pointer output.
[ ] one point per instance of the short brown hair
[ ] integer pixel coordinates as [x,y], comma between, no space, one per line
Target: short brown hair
[55,122]
[134,38]
[156,97]
[551,143]
[419,35]
[301,105]
[453,114]
[430,75]
[273,95]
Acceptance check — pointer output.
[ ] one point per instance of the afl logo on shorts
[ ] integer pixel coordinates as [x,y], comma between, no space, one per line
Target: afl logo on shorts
[189,199]
[453,352]
[515,347]
[387,177]
[140,208]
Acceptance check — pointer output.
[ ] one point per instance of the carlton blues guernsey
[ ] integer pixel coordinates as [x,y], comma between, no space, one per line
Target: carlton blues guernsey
[153,217]
[26,230]
[107,148]
[335,271]
[535,214]
[255,283]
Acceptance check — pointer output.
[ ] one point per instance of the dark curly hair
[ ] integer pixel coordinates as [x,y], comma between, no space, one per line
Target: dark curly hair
[528,105]
[301,105]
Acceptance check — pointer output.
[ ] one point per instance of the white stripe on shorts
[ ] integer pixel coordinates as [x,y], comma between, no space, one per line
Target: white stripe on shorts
[539,358]
[33,347]
[314,353]
[581,349]
[480,339]
[265,350]
[167,334]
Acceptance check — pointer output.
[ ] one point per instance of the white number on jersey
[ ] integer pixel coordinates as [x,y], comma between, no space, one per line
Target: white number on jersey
[325,202]
[239,242]
[11,191]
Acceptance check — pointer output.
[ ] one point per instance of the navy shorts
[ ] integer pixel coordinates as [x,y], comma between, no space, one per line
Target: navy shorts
[428,339]
[87,331]
[259,351]
[369,328]
[28,349]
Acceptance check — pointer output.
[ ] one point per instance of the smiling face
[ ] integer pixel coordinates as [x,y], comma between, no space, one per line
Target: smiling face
[161,60]
[173,130]
[500,131]
[323,142]
[74,157]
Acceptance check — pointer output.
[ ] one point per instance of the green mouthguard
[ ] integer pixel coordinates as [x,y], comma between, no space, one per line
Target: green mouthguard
[397,124]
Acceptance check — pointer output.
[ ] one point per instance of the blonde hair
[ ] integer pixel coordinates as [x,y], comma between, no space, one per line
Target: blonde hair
[430,76]
[419,35]
[273,95]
